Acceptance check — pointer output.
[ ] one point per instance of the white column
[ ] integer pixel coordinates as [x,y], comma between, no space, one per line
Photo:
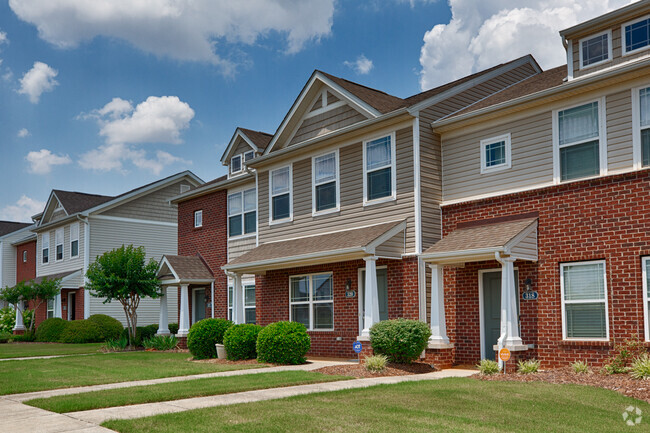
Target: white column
[237,300]
[509,321]
[438,325]
[184,321]
[371,297]
[20,326]
[163,318]
[57,306]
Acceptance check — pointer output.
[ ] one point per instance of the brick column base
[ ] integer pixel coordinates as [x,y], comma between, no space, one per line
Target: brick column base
[19,332]
[515,357]
[440,358]
[182,342]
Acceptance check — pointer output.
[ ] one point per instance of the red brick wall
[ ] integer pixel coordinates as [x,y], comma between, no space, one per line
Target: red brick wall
[272,301]
[601,219]
[79,303]
[26,270]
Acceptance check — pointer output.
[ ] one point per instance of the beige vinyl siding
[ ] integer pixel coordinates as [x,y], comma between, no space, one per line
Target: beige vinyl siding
[430,182]
[619,131]
[58,215]
[8,251]
[532,159]
[393,247]
[527,247]
[327,122]
[241,147]
[237,247]
[148,311]
[67,264]
[153,206]
[352,214]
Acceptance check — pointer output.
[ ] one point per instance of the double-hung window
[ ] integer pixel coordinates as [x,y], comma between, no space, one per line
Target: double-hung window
[636,35]
[198,219]
[584,301]
[50,307]
[280,188]
[235,164]
[58,237]
[578,152]
[645,265]
[311,299]
[325,183]
[45,241]
[249,303]
[595,49]
[74,240]
[495,153]
[379,169]
[641,126]
[242,213]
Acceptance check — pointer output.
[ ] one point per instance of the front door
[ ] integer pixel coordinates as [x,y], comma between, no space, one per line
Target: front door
[492,311]
[198,305]
[382,292]
[72,306]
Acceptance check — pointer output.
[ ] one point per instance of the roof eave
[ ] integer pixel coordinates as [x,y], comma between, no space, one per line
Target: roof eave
[233,181]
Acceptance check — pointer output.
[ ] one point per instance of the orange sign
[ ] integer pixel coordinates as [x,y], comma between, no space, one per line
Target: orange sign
[504,355]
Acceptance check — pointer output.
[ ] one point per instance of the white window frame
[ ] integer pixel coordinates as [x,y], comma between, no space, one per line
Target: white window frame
[591,301]
[57,243]
[244,284]
[609,49]
[624,36]
[503,166]
[73,239]
[241,164]
[241,192]
[636,126]
[336,208]
[45,246]
[244,159]
[48,310]
[198,218]
[646,319]
[290,218]
[393,171]
[24,256]
[602,141]
[311,301]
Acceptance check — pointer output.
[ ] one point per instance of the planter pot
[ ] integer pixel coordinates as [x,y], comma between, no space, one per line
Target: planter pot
[221,351]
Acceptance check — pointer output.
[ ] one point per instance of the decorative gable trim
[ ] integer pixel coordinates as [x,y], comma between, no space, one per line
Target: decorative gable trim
[227,154]
[46,214]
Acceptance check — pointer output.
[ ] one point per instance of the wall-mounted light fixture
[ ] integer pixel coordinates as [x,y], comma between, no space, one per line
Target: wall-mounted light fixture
[528,282]
[348,284]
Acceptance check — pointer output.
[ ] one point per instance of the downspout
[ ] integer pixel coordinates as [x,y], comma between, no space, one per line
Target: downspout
[86,263]
[212,293]
[502,336]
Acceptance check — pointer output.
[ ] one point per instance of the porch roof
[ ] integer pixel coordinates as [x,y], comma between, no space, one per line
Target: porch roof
[184,270]
[481,241]
[68,278]
[318,249]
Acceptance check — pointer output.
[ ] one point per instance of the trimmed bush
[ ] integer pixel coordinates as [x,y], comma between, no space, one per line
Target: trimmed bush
[283,343]
[204,334]
[241,341]
[111,328]
[400,340]
[50,330]
[173,328]
[81,331]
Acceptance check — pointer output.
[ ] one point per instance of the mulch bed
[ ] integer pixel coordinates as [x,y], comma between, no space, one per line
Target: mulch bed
[359,370]
[622,383]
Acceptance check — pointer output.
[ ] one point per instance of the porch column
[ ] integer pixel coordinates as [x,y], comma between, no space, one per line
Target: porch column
[184,321]
[20,326]
[163,318]
[509,323]
[371,297]
[57,306]
[237,300]
[438,325]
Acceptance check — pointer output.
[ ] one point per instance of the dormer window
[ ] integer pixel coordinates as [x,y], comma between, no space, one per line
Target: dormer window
[235,164]
[248,156]
[595,50]
[636,35]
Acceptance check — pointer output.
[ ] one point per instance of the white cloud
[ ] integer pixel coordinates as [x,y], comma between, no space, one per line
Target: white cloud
[484,34]
[3,37]
[23,210]
[23,133]
[361,66]
[41,162]
[111,157]
[186,30]
[37,80]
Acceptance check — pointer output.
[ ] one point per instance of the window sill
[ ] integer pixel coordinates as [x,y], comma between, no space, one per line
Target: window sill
[578,343]
[246,236]
[635,51]
[320,330]
[593,65]
[494,168]
[280,222]
[379,201]
[325,212]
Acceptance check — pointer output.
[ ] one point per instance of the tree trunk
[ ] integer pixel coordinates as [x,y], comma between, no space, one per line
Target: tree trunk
[128,319]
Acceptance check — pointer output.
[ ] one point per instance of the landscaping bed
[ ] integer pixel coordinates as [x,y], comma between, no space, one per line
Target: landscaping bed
[392,369]
[228,362]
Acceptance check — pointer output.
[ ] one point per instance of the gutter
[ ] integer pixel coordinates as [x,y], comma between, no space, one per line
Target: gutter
[214,187]
[435,256]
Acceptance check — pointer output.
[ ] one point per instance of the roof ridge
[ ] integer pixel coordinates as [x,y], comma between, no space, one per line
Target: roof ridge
[358,84]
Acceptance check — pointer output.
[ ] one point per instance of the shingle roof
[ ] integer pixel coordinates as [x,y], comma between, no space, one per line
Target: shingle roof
[189,267]
[74,202]
[7,227]
[59,275]
[380,101]
[259,138]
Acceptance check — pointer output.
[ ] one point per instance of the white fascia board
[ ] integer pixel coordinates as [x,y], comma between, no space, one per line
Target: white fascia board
[238,133]
[47,205]
[462,254]
[165,262]
[229,182]
[292,259]
[176,282]
[386,236]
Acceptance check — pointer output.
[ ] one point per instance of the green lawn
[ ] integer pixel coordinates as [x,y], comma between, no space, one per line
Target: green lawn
[178,390]
[42,374]
[19,350]
[448,405]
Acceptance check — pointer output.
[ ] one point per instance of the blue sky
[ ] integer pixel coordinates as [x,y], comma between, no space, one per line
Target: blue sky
[177,95]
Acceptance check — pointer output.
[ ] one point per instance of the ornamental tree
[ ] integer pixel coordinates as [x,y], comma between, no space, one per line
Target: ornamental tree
[124,275]
[30,291]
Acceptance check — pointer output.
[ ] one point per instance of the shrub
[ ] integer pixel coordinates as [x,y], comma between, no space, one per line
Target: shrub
[50,330]
[376,363]
[241,341]
[400,340]
[7,319]
[173,328]
[580,367]
[111,328]
[204,334]
[27,337]
[160,342]
[628,350]
[81,331]
[141,333]
[528,367]
[283,343]
[488,367]
[116,344]
[5,337]
[641,367]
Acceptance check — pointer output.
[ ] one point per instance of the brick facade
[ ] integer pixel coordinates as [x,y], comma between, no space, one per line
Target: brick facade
[26,270]
[600,219]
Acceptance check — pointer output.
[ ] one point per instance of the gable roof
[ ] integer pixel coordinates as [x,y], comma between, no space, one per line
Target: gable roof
[7,227]
[74,202]
[259,138]
[377,99]
[258,141]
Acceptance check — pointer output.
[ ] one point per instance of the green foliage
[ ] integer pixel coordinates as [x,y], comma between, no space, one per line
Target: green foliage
[50,330]
[14,295]
[641,367]
[204,334]
[142,333]
[527,367]
[27,337]
[173,328]
[26,291]
[241,341]
[376,363]
[7,319]
[116,344]
[81,331]
[160,342]
[488,367]
[28,320]
[628,350]
[580,367]
[400,340]
[5,337]
[283,343]
[111,328]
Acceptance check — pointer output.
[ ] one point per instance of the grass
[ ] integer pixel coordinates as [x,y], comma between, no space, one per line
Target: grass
[42,374]
[179,390]
[20,350]
[447,405]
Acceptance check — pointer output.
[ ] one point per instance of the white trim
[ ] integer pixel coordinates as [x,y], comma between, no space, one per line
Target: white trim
[290,218]
[360,294]
[637,150]
[508,150]
[624,51]
[590,37]
[569,59]
[393,169]
[324,109]
[645,261]
[134,220]
[74,224]
[257,206]
[245,282]
[194,302]
[86,299]
[241,192]
[311,302]
[337,181]
[44,236]
[71,294]
[591,301]
[60,230]
[198,222]
[481,302]
[231,144]
[241,165]
[417,184]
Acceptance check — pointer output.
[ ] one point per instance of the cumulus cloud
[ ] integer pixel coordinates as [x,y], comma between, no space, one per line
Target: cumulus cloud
[41,162]
[22,210]
[3,37]
[111,157]
[187,30]
[37,80]
[23,133]
[484,34]
[361,66]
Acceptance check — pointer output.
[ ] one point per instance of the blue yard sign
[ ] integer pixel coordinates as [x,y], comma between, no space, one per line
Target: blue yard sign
[357,346]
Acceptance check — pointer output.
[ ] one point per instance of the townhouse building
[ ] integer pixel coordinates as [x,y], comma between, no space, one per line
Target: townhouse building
[17,260]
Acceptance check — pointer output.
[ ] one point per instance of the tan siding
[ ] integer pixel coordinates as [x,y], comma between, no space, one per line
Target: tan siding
[430,182]
[327,122]
[237,247]
[394,247]
[318,103]
[242,147]
[148,310]
[65,265]
[331,98]
[527,247]
[619,131]
[58,215]
[8,252]
[153,206]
